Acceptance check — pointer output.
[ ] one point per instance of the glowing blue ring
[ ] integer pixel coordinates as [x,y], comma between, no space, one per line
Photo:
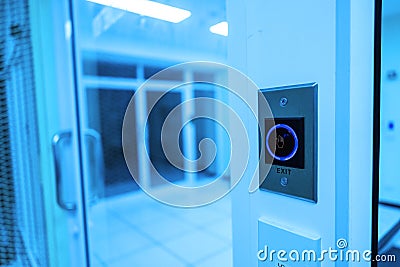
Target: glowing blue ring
[296,142]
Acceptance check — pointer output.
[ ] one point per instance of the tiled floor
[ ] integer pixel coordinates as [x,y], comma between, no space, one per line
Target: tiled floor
[135,230]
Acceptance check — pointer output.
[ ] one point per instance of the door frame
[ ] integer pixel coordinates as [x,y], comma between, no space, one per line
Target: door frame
[376,127]
[52,35]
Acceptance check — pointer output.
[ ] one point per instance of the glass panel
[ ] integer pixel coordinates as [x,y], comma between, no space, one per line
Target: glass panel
[117,51]
[389,194]
[23,233]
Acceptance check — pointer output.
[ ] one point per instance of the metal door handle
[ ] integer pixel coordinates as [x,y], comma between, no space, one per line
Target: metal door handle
[96,164]
[56,141]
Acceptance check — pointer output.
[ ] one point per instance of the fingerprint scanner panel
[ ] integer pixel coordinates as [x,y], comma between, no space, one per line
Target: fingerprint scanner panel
[289,141]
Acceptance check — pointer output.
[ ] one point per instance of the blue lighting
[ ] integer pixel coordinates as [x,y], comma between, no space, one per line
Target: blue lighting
[391,125]
[296,142]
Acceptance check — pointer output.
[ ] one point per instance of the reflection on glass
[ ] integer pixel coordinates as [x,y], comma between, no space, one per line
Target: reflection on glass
[117,50]
[389,194]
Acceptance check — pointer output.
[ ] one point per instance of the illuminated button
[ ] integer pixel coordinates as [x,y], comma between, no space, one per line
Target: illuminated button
[282,139]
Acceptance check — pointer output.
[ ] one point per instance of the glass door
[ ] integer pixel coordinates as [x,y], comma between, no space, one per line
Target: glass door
[119,46]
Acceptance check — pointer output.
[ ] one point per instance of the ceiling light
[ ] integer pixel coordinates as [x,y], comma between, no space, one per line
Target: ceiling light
[148,8]
[220,28]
